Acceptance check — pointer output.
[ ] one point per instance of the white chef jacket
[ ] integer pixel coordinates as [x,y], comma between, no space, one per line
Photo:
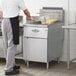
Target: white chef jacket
[11,8]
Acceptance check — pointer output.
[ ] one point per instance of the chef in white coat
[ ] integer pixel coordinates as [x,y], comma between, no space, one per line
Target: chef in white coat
[9,11]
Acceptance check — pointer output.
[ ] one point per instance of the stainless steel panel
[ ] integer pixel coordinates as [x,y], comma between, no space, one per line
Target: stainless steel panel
[35,32]
[35,49]
[53,13]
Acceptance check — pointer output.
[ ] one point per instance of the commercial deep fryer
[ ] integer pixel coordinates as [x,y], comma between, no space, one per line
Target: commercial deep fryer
[44,43]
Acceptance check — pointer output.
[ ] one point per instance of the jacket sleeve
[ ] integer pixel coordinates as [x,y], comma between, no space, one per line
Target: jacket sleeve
[21,4]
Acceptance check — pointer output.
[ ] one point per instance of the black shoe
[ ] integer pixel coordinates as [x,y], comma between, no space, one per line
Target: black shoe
[16,67]
[13,72]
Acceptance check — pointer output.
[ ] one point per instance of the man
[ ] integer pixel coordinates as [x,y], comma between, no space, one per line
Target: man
[10,29]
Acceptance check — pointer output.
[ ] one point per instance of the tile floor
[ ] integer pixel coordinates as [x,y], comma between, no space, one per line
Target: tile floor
[39,69]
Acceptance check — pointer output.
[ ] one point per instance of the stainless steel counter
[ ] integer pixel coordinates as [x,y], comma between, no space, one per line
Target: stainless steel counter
[41,25]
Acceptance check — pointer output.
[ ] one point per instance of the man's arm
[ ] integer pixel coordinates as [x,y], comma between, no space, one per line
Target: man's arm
[1,14]
[27,13]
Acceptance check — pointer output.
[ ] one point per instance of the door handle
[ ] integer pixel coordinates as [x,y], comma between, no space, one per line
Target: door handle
[35,30]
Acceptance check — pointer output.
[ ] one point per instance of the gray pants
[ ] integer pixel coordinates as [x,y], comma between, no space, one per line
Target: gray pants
[9,47]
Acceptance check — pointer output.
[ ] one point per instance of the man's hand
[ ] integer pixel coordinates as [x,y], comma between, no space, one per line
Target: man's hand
[29,18]
[27,13]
